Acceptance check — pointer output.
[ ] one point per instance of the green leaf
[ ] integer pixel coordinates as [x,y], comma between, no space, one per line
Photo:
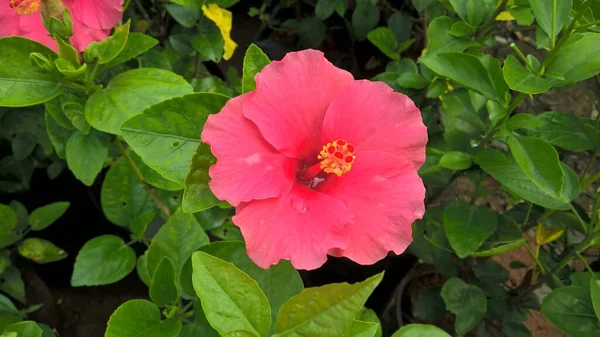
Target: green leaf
[358,328]
[142,270]
[522,79]
[384,39]
[254,61]
[122,196]
[456,160]
[54,108]
[20,83]
[524,121]
[420,330]
[152,177]
[58,135]
[466,301]
[72,107]
[508,173]
[469,71]
[563,129]
[103,260]
[551,15]
[185,16]
[137,43]
[8,217]
[94,148]
[475,12]
[107,50]
[491,272]
[167,134]
[325,8]
[595,292]
[400,23]
[571,310]
[462,118]
[440,40]
[230,298]
[324,311]
[311,32]
[7,306]
[140,318]
[208,42]
[129,94]
[460,29]
[23,145]
[25,329]
[44,216]
[140,224]
[177,240]
[577,60]
[364,18]
[163,289]
[412,80]
[13,284]
[41,251]
[501,249]
[279,283]
[539,161]
[369,316]
[430,305]
[197,196]
[467,227]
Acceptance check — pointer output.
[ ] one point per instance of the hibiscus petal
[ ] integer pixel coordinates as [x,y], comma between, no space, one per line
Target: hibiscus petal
[300,226]
[32,27]
[9,21]
[385,194]
[247,166]
[290,101]
[97,14]
[372,117]
[84,35]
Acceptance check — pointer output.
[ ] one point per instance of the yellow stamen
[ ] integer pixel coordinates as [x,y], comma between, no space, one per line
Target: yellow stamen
[24,7]
[337,157]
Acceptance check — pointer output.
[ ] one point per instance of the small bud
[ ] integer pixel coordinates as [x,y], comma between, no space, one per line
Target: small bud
[41,63]
[59,25]
[53,8]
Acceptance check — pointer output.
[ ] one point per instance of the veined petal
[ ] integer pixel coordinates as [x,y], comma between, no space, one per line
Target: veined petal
[100,15]
[290,101]
[372,117]
[385,194]
[247,166]
[300,226]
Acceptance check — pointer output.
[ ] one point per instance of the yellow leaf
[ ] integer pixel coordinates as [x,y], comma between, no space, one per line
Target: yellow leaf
[544,235]
[505,16]
[222,18]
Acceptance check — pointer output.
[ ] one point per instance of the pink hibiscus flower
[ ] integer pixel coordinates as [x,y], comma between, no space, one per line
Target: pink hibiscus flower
[318,163]
[92,20]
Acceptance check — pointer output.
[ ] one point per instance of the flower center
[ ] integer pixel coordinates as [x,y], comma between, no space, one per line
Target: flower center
[24,7]
[337,157]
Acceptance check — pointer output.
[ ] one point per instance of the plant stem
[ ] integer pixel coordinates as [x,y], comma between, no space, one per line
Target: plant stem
[516,49]
[151,192]
[585,226]
[585,263]
[589,24]
[588,166]
[526,221]
[535,258]
[73,85]
[587,182]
